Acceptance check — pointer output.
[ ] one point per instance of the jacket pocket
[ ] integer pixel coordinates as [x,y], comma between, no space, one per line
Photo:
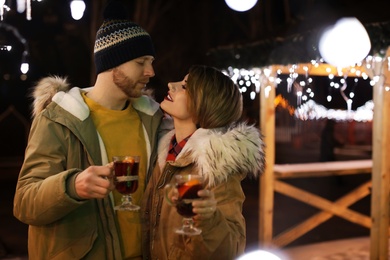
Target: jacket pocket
[77,248]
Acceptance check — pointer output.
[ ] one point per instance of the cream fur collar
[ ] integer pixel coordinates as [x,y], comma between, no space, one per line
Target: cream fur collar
[219,153]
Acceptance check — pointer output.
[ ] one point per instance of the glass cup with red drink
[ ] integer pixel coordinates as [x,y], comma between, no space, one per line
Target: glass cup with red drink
[185,191]
[126,180]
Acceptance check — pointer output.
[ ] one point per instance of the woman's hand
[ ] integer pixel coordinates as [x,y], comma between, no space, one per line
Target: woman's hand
[206,207]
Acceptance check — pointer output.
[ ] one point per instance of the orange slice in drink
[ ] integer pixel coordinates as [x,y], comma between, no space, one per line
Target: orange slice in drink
[186,186]
[191,183]
[129,160]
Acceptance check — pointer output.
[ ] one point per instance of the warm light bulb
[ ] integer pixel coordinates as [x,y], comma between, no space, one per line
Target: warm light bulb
[241,5]
[24,67]
[253,95]
[21,6]
[2,2]
[77,8]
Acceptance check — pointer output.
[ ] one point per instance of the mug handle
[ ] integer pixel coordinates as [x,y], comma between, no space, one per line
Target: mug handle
[170,192]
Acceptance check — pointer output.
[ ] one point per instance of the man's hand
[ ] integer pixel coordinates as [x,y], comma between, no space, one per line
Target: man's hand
[95,182]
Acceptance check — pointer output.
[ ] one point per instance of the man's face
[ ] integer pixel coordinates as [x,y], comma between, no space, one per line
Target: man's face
[131,77]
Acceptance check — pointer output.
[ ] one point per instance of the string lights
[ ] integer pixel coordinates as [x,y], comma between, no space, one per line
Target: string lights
[25,6]
[256,78]
[77,8]
[24,67]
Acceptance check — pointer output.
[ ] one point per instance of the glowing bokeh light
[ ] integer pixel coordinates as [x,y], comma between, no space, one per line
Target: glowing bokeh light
[345,44]
[241,5]
[77,8]
[259,254]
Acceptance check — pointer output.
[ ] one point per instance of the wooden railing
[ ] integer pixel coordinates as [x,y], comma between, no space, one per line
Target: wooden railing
[327,208]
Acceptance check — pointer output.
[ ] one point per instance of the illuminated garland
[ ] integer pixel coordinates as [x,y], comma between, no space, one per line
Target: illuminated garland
[249,66]
[253,79]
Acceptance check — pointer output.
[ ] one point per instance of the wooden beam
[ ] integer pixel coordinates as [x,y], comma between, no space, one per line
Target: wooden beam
[379,237]
[321,69]
[321,169]
[266,191]
[324,204]
[302,228]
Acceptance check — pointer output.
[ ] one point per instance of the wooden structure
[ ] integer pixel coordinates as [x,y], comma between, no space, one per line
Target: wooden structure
[277,53]
[269,183]
[329,208]
[381,163]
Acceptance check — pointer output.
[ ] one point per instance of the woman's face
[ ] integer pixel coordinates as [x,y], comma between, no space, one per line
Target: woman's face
[175,103]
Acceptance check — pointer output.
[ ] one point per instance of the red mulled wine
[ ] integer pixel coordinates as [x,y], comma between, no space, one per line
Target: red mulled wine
[188,192]
[126,173]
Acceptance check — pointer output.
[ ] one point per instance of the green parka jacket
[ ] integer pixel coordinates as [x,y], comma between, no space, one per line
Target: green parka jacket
[63,141]
[224,156]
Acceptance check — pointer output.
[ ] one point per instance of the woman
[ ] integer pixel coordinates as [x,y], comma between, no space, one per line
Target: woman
[207,140]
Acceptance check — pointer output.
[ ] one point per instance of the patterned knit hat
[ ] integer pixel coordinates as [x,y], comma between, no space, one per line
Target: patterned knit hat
[119,40]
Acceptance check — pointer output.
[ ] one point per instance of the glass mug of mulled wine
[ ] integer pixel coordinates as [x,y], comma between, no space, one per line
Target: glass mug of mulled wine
[181,193]
[126,180]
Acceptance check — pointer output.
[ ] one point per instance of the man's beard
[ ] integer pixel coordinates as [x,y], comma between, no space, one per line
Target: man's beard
[127,85]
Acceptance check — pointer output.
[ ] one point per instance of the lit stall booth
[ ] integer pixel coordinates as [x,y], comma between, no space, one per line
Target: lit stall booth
[263,61]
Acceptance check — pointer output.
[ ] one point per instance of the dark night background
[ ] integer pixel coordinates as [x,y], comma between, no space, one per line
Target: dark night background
[184,33]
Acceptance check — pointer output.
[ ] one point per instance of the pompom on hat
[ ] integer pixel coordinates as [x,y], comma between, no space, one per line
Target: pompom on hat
[119,40]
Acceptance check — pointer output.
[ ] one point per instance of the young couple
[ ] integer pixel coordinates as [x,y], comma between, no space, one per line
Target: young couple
[64,186]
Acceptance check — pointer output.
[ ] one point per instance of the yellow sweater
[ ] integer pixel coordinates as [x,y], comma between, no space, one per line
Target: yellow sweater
[122,134]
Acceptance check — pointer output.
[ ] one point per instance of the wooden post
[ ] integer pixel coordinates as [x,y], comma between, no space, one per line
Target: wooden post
[379,234]
[266,185]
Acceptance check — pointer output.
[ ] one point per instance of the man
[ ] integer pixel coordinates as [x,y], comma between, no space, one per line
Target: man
[64,186]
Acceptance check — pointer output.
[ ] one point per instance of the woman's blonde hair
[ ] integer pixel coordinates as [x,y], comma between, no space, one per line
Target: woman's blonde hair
[214,99]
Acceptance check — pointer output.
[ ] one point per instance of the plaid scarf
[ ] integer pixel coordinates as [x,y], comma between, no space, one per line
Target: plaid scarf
[175,148]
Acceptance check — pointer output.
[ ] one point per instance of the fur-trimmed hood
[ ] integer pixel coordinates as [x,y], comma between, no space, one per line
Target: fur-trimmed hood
[57,89]
[219,153]
[45,90]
